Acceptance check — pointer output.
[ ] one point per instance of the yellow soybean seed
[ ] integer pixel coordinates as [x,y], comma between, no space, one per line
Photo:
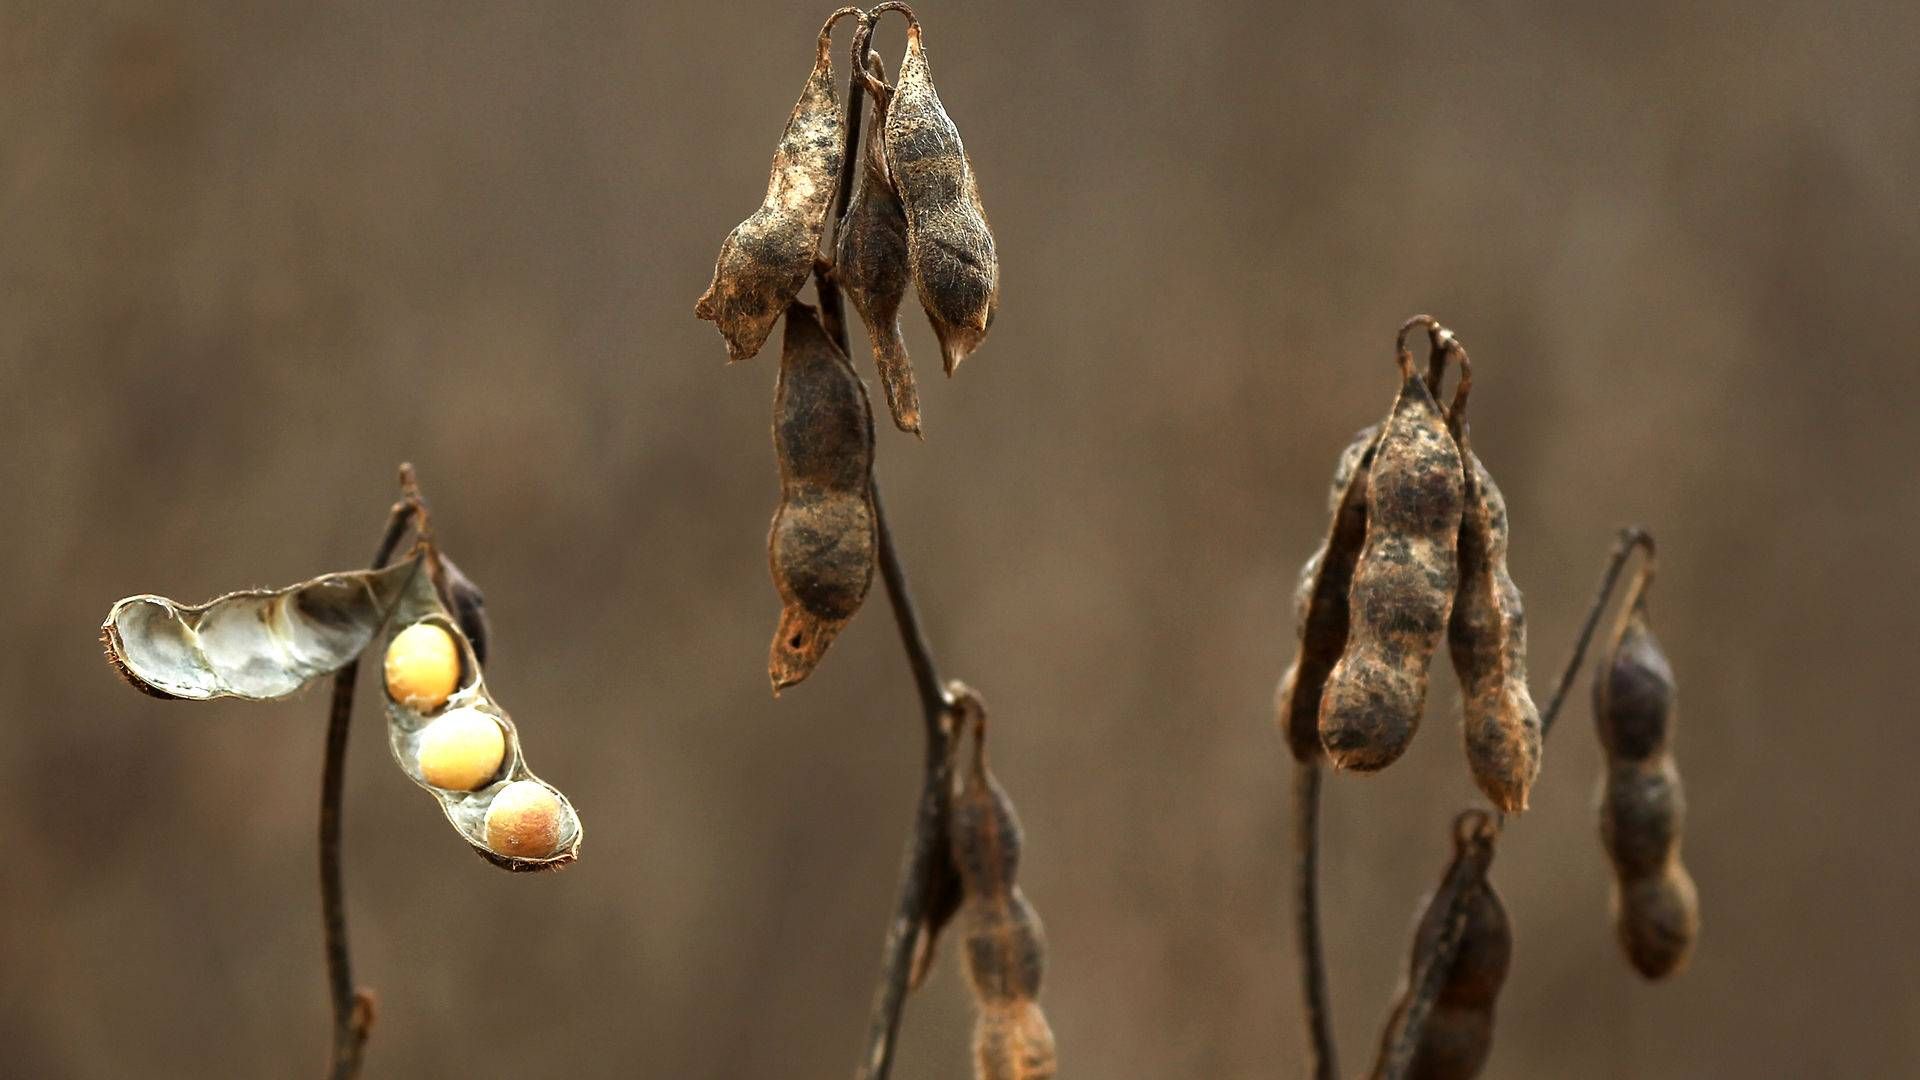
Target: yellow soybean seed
[462,750]
[423,667]
[524,821]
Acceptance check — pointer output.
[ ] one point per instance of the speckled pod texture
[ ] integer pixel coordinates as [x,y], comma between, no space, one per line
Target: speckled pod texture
[823,543]
[1320,601]
[1487,636]
[1403,587]
[766,258]
[955,268]
[871,265]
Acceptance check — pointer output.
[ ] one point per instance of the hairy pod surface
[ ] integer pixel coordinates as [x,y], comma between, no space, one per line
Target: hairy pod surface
[765,260]
[955,268]
[1642,806]
[823,542]
[1487,636]
[871,266]
[1403,586]
[1005,944]
[1320,602]
[1458,1035]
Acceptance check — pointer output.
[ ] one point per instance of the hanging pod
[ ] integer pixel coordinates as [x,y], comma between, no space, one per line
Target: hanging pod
[445,730]
[463,748]
[765,260]
[950,247]
[823,543]
[1005,945]
[1642,806]
[1458,1035]
[1487,634]
[1320,600]
[870,261]
[1403,583]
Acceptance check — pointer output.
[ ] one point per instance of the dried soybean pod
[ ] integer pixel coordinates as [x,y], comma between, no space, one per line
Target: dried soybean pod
[950,248]
[465,751]
[1320,601]
[468,604]
[1005,945]
[871,263]
[1403,584]
[1656,907]
[1457,1035]
[1487,634]
[823,542]
[258,644]
[765,260]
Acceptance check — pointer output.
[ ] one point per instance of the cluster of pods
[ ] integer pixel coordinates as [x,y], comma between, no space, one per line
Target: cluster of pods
[909,215]
[446,730]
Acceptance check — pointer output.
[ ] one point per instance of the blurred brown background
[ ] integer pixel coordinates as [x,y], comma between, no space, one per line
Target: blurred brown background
[254,255]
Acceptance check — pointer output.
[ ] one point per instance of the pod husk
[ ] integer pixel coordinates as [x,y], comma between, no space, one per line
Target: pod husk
[824,542]
[956,270]
[765,260]
[1320,601]
[466,811]
[872,267]
[1403,585]
[1487,637]
[256,644]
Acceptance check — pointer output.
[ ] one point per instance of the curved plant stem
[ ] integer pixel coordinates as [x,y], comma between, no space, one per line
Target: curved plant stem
[1630,537]
[1323,1065]
[352,1007]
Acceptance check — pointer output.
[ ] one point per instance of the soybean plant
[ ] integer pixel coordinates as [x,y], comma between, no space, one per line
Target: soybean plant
[446,730]
[905,211]
[1417,552]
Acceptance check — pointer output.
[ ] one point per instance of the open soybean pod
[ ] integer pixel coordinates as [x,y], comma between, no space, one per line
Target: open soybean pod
[1656,907]
[955,268]
[1403,583]
[765,260]
[1457,1036]
[1487,634]
[1320,601]
[824,540]
[1005,945]
[452,738]
[871,260]
[257,644]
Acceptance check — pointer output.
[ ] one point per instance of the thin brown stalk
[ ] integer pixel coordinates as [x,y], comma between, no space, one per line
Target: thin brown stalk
[1323,1064]
[925,844]
[1630,537]
[352,1007]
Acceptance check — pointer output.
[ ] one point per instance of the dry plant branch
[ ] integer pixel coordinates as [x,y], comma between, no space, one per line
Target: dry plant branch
[1400,492]
[352,1007]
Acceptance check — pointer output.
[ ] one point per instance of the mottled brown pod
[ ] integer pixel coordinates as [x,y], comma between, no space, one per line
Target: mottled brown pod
[1320,601]
[1403,584]
[766,259]
[1458,1034]
[955,268]
[1656,908]
[823,543]
[468,604]
[1487,634]
[1005,946]
[871,264]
